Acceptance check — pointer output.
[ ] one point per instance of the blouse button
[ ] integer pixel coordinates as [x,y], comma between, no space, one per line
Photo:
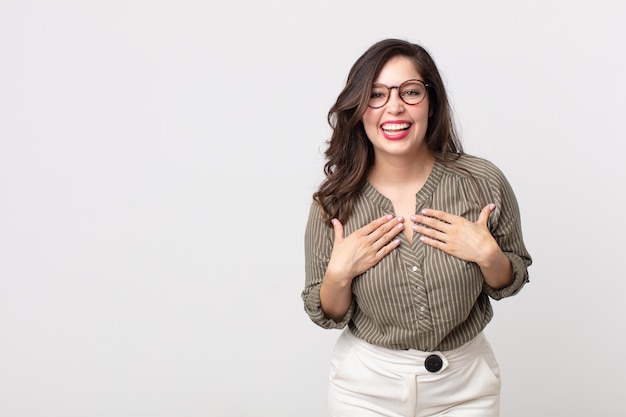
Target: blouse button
[413,268]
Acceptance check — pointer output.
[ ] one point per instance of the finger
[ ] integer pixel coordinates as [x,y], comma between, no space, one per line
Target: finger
[485,212]
[438,214]
[338,228]
[385,250]
[375,224]
[430,222]
[379,235]
[433,242]
[431,233]
[389,234]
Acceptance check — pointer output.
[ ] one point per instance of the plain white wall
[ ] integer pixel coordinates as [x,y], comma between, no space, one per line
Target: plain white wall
[157,160]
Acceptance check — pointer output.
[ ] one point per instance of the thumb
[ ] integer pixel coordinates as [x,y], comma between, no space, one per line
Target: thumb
[485,212]
[338,228]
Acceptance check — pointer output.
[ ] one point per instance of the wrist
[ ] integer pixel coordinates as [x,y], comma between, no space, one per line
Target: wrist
[497,271]
[336,281]
[491,256]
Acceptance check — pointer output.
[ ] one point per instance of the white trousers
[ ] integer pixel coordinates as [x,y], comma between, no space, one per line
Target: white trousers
[371,381]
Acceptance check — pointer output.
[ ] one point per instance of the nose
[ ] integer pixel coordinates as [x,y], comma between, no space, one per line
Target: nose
[395,103]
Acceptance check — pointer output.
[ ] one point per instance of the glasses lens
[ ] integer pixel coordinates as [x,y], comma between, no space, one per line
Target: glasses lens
[412,92]
[378,97]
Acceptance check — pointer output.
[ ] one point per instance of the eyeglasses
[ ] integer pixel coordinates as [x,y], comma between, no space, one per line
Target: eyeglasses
[411,92]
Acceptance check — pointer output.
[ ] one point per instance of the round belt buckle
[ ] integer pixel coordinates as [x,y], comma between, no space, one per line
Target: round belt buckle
[433,363]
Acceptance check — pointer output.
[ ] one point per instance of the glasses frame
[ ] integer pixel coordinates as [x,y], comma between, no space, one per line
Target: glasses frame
[397,87]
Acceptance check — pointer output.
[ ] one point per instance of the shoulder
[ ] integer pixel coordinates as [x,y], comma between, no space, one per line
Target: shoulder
[317,230]
[466,165]
[316,212]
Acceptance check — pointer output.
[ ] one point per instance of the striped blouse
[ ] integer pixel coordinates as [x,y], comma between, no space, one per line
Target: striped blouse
[419,297]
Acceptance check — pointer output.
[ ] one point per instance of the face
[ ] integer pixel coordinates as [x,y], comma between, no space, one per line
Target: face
[397,128]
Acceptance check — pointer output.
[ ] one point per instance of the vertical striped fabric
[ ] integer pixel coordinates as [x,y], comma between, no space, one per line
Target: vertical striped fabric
[419,297]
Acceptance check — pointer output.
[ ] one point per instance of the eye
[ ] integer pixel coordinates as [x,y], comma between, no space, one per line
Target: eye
[412,92]
[378,92]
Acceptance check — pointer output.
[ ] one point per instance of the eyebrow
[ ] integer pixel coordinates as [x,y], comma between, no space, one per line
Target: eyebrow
[397,85]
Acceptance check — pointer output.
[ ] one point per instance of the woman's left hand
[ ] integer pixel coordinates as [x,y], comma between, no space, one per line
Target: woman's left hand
[457,236]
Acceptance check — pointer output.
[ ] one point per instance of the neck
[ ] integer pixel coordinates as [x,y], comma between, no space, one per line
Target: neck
[403,171]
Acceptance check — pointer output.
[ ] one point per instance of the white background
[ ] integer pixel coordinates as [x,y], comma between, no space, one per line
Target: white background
[157,159]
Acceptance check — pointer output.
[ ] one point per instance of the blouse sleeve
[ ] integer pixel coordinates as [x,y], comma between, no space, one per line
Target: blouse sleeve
[506,228]
[318,244]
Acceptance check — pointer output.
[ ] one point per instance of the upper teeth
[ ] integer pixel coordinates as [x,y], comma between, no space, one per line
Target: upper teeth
[396,126]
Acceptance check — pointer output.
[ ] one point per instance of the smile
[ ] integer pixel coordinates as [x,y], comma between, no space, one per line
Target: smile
[395,127]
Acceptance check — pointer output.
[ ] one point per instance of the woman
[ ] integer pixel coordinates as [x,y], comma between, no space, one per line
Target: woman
[407,239]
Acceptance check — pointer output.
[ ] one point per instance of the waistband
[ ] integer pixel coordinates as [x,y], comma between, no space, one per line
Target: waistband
[414,361]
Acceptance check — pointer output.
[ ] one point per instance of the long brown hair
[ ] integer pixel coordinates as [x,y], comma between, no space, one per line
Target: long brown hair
[350,153]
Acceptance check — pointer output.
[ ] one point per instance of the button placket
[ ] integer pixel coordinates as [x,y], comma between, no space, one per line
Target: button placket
[412,257]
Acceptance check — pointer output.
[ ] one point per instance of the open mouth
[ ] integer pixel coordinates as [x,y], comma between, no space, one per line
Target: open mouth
[395,127]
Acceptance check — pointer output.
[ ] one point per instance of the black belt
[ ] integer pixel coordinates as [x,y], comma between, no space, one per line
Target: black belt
[433,363]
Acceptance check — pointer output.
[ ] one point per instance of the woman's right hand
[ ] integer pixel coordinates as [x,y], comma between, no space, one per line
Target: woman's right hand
[353,255]
[362,249]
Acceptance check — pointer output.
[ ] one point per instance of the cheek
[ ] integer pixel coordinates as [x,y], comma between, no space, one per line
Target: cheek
[370,121]
[422,113]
